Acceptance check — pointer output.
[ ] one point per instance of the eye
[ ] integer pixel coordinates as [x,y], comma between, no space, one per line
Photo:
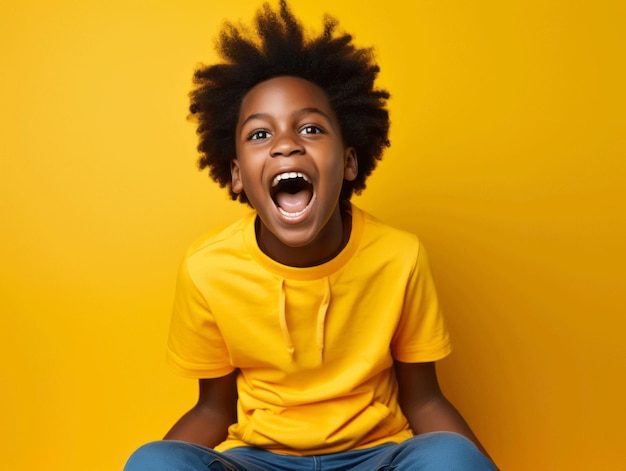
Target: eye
[311,129]
[258,134]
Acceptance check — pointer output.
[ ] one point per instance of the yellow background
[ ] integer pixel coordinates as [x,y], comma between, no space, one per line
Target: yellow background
[507,158]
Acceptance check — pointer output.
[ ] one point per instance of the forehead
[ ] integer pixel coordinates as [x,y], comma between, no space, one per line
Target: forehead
[284,95]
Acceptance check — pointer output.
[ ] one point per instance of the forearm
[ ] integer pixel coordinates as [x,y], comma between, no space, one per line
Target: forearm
[201,425]
[438,414]
[424,405]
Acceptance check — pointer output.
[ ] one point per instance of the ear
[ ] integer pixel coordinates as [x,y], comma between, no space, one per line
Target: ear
[235,174]
[351,164]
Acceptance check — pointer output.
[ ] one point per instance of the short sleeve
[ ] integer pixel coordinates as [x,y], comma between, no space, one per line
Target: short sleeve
[195,346]
[421,335]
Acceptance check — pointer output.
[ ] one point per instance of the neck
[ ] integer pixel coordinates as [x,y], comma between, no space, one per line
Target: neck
[331,240]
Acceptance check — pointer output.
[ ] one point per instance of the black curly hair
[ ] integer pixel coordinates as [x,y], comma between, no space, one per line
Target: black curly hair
[279,48]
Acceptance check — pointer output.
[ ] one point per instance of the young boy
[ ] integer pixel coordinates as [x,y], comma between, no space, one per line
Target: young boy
[313,329]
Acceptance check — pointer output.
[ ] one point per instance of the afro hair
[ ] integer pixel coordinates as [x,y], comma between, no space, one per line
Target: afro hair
[278,47]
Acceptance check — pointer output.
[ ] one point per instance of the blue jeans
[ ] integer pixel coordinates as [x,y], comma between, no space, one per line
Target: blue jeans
[438,451]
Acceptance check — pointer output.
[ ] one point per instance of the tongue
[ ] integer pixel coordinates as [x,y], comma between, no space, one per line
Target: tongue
[293,202]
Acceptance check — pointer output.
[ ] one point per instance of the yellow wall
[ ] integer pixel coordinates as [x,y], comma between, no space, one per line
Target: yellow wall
[508,159]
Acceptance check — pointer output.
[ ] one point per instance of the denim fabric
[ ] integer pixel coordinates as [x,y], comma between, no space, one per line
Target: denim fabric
[438,451]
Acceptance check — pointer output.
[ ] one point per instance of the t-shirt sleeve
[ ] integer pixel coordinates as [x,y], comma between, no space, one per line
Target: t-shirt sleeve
[421,335]
[195,346]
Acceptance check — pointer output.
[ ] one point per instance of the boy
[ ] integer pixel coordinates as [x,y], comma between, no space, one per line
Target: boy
[312,328]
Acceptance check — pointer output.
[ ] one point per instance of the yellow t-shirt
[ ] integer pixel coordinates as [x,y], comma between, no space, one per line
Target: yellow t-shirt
[315,346]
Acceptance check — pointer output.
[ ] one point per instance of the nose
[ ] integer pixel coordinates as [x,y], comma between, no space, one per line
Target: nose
[285,145]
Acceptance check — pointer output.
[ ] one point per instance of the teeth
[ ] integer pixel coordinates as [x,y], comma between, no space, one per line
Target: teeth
[292,215]
[287,176]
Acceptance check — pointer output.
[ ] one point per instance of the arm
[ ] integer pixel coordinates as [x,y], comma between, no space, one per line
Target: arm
[207,422]
[425,406]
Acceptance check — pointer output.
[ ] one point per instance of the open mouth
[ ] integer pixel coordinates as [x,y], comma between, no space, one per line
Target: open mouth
[291,192]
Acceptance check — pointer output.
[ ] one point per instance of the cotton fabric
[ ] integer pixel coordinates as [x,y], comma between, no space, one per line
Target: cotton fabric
[315,346]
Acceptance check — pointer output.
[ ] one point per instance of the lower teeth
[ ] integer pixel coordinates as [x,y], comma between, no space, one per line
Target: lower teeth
[291,215]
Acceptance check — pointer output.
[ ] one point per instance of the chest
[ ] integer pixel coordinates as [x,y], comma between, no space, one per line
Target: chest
[291,325]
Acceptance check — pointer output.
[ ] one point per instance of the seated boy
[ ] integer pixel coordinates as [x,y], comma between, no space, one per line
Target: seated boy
[313,329]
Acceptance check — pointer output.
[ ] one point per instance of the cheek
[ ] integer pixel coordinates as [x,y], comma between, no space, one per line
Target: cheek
[334,179]
[250,177]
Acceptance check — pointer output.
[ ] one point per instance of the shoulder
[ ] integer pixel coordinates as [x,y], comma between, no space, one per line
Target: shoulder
[386,240]
[219,242]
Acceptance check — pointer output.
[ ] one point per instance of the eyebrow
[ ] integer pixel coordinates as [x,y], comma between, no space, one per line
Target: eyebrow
[301,112]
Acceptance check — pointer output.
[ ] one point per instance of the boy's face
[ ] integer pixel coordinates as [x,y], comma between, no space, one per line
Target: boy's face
[291,162]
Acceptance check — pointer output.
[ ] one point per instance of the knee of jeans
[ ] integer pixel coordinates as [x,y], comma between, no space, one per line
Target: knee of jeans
[150,456]
[451,447]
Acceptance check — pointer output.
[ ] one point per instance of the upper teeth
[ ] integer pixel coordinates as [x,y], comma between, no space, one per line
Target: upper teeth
[288,175]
